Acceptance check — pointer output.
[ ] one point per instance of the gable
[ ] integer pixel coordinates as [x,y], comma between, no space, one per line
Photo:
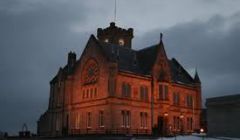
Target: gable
[91,51]
[161,69]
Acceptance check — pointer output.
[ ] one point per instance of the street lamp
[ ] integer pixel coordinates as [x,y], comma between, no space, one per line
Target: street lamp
[165,123]
[202,133]
[181,117]
[165,114]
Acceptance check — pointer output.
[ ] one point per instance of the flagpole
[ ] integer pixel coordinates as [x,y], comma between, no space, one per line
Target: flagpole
[115,11]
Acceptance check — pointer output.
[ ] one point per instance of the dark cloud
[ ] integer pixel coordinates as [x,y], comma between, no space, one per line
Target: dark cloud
[33,45]
[36,35]
[212,47]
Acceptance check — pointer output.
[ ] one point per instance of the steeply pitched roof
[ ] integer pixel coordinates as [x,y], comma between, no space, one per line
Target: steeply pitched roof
[179,74]
[147,57]
[196,78]
[139,61]
[126,58]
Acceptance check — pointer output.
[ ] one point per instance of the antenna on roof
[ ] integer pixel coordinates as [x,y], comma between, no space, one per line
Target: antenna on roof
[115,11]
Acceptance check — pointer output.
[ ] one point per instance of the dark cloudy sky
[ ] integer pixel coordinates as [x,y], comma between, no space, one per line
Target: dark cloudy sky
[36,35]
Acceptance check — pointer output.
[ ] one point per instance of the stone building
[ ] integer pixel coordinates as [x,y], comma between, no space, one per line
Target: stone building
[223,115]
[115,89]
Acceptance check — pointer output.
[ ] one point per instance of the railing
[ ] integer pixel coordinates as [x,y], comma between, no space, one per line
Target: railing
[110,131]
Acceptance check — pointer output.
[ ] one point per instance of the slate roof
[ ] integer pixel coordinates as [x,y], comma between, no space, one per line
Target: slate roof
[179,74]
[139,62]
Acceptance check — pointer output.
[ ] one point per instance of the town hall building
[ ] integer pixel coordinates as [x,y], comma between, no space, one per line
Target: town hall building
[115,89]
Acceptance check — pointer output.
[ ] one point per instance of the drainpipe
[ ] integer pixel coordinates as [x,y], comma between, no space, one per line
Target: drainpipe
[152,103]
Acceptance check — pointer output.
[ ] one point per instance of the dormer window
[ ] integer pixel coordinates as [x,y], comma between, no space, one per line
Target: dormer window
[121,42]
[106,40]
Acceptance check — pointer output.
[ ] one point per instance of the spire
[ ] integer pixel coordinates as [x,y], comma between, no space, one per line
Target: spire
[161,36]
[196,78]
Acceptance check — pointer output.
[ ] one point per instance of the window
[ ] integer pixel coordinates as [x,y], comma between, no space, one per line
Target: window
[95,92]
[176,123]
[126,118]
[101,118]
[123,118]
[163,92]
[126,90]
[83,96]
[57,123]
[189,123]
[91,93]
[189,101]
[87,92]
[143,120]
[176,98]
[121,42]
[144,93]
[77,120]
[89,119]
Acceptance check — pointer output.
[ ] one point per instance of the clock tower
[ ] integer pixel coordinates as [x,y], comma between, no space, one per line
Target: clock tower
[116,35]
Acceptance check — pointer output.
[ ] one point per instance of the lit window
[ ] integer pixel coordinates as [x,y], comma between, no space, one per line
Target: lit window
[106,40]
[121,42]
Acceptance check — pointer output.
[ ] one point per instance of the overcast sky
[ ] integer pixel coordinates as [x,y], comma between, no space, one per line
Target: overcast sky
[36,35]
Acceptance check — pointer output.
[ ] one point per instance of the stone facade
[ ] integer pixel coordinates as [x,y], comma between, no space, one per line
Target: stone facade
[223,115]
[114,89]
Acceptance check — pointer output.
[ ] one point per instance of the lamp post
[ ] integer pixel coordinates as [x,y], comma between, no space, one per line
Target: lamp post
[181,117]
[202,133]
[164,123]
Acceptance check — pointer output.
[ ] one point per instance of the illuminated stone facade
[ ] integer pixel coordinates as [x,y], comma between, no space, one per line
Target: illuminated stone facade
[114,89]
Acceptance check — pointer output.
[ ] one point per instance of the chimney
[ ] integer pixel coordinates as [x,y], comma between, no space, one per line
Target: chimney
[71,60]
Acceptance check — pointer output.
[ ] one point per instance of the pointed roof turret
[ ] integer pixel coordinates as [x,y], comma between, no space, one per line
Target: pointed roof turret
[196,78]
[161,36]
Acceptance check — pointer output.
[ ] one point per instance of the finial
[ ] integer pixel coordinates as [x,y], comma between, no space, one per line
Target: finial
[196,77]
[161,36]
[112,24]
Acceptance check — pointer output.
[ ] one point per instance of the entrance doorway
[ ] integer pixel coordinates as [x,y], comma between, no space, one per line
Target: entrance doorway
[160,125]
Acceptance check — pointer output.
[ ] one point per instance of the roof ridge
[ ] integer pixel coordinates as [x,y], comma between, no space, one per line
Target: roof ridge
[149,47]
